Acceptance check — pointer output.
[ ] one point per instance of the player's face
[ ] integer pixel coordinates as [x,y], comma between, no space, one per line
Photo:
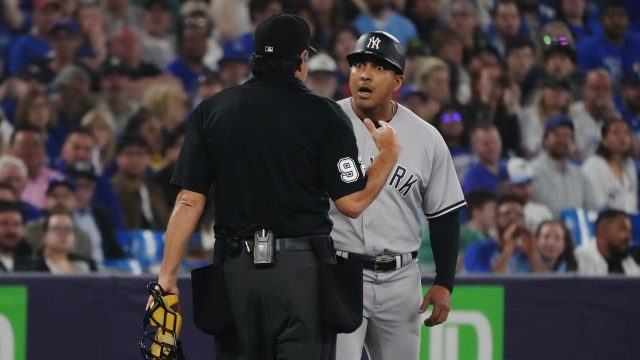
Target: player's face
[550,241]
[372,83]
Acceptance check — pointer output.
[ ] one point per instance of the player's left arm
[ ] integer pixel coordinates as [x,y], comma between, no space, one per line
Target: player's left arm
[442,201]
[445,236]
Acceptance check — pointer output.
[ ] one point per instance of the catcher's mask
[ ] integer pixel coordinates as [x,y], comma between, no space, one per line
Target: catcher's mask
[161,326]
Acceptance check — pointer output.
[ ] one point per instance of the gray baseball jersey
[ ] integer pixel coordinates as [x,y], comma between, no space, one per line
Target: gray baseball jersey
[423,182]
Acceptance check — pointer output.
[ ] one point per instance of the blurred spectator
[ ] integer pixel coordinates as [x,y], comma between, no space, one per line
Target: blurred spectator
[74,97]
[559,184]
[27,143]
[192,47]
[322,77]
[413,98]
[520,185]
[426,15]
[611,171]
[57,241]
[343,41]
[234,64]
[464,20]
[6,129]
[574,14]
[553,98]
[481,206]
[13,179]
[14,251]
[453,128]
[560,61]
[171,151]
[125,45]
[79,146]
[506,24]
[34,46]
[64,38]
[482,57]
[330,14]
[35,109]
[553,248]
[158,44]
[447,45]
[487,172]
[93,27]
[534,15]
[208,85]
[168,103]
[114,88]
[142,201]
[609,253]
[61,197]
[629,103]
[508,251]
[95,220]
[120,13]
[197,13]
[381,16]
[617,49]
[590,114]
[147,125]
[520,59]
[496,99]
[103,127]
[555,32]
[432,75]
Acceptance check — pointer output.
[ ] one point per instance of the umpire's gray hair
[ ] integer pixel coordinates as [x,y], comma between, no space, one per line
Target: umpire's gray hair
[7,160]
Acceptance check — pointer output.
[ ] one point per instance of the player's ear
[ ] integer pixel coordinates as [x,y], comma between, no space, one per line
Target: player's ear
[398,81]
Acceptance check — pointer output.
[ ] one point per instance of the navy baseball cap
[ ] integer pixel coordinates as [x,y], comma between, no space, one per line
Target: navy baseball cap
[556,121]
[69,26]
[54,183]
[238,49]
[281,36]
[630,79]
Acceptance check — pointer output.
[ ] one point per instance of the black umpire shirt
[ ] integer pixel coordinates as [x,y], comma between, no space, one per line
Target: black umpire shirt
[276,153]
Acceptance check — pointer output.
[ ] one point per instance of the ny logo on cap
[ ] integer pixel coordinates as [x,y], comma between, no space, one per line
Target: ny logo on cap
[374,42]
[268,49]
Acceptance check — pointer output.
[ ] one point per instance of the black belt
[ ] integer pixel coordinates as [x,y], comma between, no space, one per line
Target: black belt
[301,243]
[382,263]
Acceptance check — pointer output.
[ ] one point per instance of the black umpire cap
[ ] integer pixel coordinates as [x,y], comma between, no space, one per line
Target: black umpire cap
[382,46]
[281,36]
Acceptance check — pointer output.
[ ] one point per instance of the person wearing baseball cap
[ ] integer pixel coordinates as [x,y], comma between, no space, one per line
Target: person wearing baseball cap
[323,76]
[558,183]
[520,185]
[425,185]
[277,154]
[629,103]
[35,46]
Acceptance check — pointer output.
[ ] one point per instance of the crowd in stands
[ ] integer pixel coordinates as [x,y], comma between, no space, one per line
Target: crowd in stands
[537,100]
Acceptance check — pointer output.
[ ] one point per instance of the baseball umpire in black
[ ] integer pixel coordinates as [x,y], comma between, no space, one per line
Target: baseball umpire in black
[276,154]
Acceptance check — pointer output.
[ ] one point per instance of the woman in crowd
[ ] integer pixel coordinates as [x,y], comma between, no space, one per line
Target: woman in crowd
[169,104]
[554,248]
[432,75]
[611,170]
[552,99]
[146,124]
[57,241]
[103,126]
[35,109]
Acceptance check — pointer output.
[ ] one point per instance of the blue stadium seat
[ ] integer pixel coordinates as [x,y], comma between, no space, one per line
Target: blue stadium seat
[582,224]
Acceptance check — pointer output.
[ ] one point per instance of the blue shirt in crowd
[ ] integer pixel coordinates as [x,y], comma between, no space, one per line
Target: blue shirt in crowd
[188,76]
[479,177]
[481,255]
[27,49]
[597,52]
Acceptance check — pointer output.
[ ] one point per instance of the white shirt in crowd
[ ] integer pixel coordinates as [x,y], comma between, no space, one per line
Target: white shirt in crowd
[608,190]
[592,263]
[587,128]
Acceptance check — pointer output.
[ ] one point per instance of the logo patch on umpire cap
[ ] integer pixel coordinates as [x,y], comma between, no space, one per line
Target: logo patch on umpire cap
[374,43]
[268,49]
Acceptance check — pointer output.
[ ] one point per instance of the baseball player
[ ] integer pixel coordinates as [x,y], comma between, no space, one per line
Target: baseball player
[386,237]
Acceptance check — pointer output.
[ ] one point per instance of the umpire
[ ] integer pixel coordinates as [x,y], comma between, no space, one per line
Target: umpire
[276,153]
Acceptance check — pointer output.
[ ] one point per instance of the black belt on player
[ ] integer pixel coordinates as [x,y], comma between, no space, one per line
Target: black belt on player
[381,263]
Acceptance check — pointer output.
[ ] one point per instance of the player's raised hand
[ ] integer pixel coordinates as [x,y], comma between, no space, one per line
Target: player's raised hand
[385,138]
[440,298]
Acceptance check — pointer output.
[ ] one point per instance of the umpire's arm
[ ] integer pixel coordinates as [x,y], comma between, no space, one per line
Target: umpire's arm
[183,221]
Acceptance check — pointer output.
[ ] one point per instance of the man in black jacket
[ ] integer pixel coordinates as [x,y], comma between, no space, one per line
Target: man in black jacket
[14,251]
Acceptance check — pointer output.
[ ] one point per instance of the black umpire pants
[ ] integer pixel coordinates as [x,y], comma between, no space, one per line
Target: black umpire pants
[276,309]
